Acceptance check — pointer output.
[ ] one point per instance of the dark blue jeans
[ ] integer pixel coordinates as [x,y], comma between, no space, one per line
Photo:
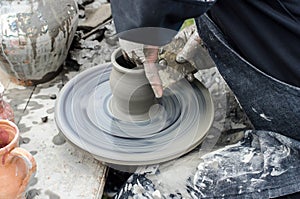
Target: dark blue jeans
[270,104]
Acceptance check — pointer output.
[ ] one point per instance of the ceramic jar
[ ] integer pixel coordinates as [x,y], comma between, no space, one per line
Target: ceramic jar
[16,165]
[132,95]
[35,37]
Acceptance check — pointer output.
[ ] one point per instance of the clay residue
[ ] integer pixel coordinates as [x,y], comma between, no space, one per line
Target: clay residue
[66,13]
[17,98]
[59,139]
[52,195]
[23,128]
[33,152]
[24,140]
[43,97]
[32,193]
[34,105]
[33,181]
[51,110]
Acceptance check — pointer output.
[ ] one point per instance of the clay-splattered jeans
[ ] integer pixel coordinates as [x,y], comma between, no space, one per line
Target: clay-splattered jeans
[263,165]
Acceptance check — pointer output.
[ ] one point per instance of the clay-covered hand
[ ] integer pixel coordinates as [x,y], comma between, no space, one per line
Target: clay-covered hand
[151,71]
[192,42]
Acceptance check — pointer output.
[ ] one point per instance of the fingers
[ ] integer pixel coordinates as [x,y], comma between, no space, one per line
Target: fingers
[153,78]
[186,33]
[189,49]
[151,53]
[151,71]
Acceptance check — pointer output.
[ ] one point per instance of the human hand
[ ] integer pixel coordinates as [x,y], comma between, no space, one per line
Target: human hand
[192,43]
[194,50]
[185,61]
[151,71]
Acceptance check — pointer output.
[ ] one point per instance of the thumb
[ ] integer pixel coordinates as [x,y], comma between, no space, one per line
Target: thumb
[152,75]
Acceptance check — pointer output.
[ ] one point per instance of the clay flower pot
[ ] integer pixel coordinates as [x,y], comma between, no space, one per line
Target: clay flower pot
[132,93]
[35,37]
[16,166]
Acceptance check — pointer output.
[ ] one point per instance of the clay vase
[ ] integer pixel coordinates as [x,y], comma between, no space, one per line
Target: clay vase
[35,37]
[16,165]
[132,96]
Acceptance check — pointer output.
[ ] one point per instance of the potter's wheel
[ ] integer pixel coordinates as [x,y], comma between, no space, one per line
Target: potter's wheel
[177,124]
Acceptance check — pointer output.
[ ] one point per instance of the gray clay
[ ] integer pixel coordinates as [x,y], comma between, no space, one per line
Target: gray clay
[132,95]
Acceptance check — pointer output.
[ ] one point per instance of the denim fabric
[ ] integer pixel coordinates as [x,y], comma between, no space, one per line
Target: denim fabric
[266,33]
[262,165]
[270,104]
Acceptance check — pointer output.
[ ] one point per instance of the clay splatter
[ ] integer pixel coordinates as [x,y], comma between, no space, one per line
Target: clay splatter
[42,97]
[59,139]
[246,167]
[51,110]
[34,105]
[32,193]
[24,140]
[52,195]
[33,181]
[33,152]
[23,128]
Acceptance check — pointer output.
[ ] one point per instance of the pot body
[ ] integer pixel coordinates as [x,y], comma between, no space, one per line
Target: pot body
[35,37]
[132,94]
[17,165]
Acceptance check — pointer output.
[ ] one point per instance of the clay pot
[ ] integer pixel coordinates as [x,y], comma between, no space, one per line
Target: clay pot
[132,93]
[35,37]
[16,166]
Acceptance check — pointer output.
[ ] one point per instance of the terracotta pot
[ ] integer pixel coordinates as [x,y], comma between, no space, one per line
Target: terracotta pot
[16,166]
[35,37]
[132,93]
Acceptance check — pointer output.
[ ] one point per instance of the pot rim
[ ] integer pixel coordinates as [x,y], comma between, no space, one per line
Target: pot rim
[14,141]
[117,66]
